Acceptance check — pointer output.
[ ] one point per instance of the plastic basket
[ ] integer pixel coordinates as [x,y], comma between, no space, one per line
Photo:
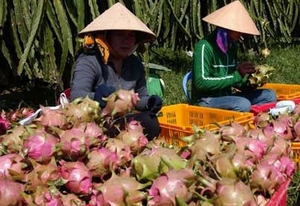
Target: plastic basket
[279,198]
[177,120]
[255,109]
[284,91]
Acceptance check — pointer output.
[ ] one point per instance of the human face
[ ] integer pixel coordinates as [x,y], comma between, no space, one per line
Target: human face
[122,42]
[234,36]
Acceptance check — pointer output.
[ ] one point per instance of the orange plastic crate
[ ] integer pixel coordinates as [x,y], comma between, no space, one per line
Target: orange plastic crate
[284,91]
[177,120]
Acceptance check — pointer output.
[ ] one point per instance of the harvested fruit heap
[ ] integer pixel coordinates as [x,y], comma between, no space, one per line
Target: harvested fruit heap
[65,158]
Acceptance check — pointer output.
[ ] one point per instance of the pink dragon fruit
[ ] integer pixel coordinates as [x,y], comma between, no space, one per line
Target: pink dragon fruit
[133,136]
[101,161]
[120,102]
[266,178]
[71,199]
[4,123]
[51,117]
[40,145]
[286,166]
[42,175]
[119,190]
[253,149]
[233,192]
[93,131]
[206,143]
[18,114]
[168,187]
[82,110]
[12,140]
[232,131]
[10,193]
[78,178]
[74,143]
[149,164]
[122,150]
[11,164]
[44,195]
[266,135]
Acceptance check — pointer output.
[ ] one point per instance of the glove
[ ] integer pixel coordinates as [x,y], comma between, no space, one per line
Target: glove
[103,91]
[246,68]
[154,103]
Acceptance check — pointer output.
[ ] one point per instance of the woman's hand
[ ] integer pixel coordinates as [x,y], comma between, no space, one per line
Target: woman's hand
[103,91]
[246,68]
[154,103]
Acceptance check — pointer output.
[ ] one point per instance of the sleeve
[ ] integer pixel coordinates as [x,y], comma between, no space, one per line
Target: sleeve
[85,75]
[141,89]
[203,72]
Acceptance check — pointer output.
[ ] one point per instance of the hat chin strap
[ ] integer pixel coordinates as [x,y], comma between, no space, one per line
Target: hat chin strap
[134,48]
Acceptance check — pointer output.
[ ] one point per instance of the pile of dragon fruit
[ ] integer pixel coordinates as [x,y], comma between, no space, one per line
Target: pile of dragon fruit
[64,157]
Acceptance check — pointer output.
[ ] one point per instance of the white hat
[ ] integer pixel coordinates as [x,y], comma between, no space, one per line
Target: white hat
[234,17]
[118,17]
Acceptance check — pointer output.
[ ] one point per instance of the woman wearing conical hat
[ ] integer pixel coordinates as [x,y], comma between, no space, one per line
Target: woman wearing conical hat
[216,70]
[107,64]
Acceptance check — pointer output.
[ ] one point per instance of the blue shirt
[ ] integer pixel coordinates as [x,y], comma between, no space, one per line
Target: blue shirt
[88,75]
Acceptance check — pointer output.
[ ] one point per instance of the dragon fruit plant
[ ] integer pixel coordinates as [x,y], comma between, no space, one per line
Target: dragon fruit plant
[65,158]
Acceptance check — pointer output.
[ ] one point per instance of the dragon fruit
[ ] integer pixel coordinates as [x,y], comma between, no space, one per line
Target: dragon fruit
[82,110]
[120,102]
[253,149]
[10,193]
[266,178]
[12,142]
[101,161]
[41,175]
[71,199]
[122,150]
[40,145]
[133,136]
[18,114]
[42,195]
[233,192]
[150,164]
[93,131]
[205,143]
[11,164]
[119,190]
[77,177]
[261,75]
[74,143]
[4,123]
[52,117]
[173,185]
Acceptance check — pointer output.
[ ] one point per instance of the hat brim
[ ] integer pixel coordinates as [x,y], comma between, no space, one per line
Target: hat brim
[118,17]
[234,17]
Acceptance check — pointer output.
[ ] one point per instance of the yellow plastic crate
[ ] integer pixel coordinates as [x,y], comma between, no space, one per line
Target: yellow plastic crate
[296,153]
[177,120]
[284,91]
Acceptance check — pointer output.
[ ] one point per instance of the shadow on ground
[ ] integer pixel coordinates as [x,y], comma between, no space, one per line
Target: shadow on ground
[11,99]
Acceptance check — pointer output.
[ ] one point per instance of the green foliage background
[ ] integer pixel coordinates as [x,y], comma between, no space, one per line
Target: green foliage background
[39,37]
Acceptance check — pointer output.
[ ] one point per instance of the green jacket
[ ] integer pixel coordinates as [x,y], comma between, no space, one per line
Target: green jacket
[214,72]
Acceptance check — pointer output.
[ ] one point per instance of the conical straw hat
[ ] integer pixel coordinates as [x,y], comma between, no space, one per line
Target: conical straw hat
[234,17]
[118,17]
